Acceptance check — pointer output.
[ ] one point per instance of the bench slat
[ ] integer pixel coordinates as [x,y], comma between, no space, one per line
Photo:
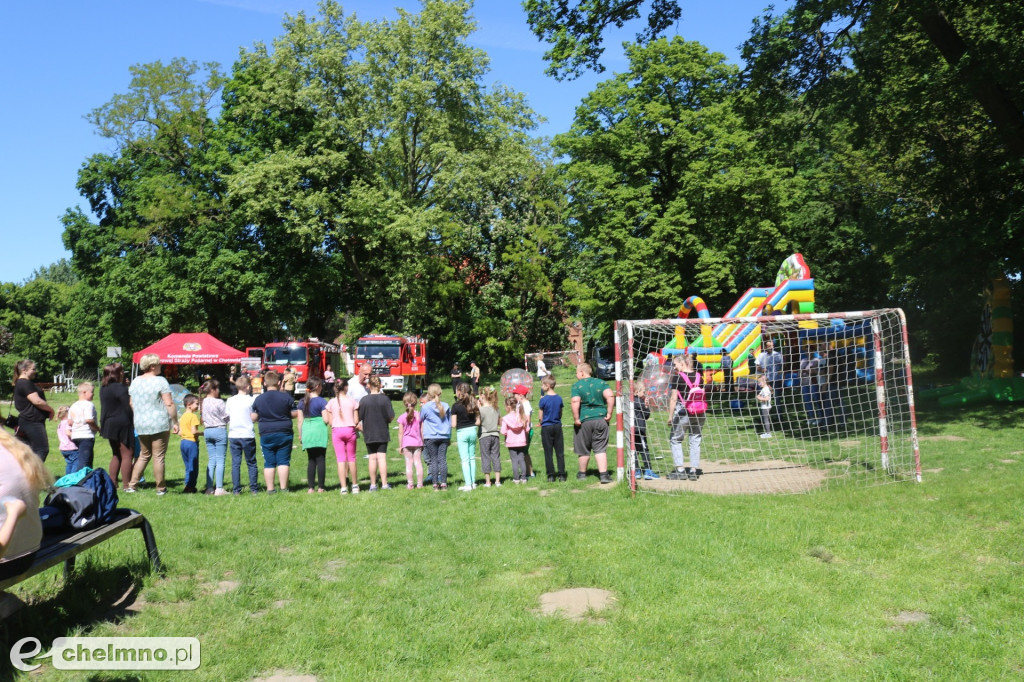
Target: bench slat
[64,548]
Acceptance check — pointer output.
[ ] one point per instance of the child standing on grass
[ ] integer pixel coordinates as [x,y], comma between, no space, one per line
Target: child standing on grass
[215,431]
[190,428]
[764,399]
[519,393]
[641,413]
[375,414]
[551,429]
[514,427]
[68,449]
[490,449]
[411,440]
[340,415]
[82,416]
[313,435]
[437,432]
[242,436]
[465,420]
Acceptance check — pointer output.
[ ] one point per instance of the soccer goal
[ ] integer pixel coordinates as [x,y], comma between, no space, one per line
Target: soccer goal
[792,403]
[560,363]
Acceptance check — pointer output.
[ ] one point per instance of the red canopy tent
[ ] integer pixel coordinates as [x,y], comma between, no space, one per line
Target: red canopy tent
[198,348]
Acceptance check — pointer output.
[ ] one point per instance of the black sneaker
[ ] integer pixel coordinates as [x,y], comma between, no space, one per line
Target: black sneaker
[692,474]
[606,477]
[561,478]
[581,476]
[551,478]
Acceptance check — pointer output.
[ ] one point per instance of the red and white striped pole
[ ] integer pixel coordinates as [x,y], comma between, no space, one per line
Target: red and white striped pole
[910,394]
[883,429]
[620,471]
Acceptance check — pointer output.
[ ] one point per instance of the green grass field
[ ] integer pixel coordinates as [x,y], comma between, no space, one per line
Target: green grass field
[903,581]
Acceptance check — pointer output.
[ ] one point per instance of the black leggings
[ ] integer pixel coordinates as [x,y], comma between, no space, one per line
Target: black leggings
[551,437]
[36,434]
[317,467]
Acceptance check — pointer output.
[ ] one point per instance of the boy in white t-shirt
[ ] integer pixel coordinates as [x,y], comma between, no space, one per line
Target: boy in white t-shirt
[82,416]
[242,436]
[764,397]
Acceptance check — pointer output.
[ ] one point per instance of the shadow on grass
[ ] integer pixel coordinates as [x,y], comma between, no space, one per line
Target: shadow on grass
[933,418]
[93,595]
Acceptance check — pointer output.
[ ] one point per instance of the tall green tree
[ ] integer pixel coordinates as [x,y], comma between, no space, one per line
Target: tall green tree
[919,101]
[376,150]
[670,194]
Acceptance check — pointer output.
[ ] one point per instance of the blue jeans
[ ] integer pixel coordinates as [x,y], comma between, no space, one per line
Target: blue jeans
[216,449]
[71,461]
[246,447]
[190,456]
[84,452]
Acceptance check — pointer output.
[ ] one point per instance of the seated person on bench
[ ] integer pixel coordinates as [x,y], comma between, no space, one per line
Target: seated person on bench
[22,477]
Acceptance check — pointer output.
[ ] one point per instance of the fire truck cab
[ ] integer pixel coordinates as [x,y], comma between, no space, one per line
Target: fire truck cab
[309,358]
[399,361]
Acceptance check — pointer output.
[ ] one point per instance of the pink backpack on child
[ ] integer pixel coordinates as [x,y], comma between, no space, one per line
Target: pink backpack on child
[695,402]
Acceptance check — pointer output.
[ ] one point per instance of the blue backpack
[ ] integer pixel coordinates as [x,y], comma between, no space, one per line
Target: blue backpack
[90,503]
[104,495]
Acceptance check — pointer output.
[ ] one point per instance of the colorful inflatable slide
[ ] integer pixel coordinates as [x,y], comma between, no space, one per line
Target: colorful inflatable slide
[793,293]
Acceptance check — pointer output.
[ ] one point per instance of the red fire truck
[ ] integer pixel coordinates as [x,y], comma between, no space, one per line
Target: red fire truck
[308,358]
[399,361]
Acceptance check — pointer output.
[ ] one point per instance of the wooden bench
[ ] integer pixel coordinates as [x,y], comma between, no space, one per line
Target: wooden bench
[64,547]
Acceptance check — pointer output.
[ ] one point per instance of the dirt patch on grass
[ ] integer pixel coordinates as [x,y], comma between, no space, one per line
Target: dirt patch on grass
[575,604]
[285,676]
[731,478]
[225,586]
[949,438]
[332,567]
[910,617]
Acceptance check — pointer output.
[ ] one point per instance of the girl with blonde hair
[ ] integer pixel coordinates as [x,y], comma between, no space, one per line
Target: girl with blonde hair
[437,431]
[22,477]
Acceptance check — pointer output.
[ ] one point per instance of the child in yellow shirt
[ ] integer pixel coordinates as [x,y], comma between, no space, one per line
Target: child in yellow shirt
[190,428]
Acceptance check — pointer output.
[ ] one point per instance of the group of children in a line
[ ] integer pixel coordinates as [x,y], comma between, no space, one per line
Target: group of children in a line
[423,434]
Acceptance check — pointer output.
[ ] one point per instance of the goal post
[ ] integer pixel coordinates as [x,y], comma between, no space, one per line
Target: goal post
[792,403]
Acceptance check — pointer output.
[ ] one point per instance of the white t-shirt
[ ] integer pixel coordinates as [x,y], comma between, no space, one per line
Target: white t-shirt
[542,369]
[239,409]
[765,392]
[355,390]
[80,413]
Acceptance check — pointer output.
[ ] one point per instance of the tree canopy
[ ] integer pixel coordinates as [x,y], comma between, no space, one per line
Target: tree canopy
[356,177]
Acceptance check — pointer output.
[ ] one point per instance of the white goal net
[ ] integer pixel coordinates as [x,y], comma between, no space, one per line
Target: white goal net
[792,403]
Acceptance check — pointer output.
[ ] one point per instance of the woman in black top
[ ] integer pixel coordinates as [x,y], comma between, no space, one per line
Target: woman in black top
[375,414]
[117,422]
[30,402]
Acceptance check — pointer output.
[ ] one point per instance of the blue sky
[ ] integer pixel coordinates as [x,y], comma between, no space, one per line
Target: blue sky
[59,60]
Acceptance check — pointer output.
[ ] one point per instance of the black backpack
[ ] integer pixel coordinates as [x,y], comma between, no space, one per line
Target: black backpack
[91,503]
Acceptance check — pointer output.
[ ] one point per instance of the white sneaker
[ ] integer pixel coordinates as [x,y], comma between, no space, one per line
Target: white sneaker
[766,435]
[466,488]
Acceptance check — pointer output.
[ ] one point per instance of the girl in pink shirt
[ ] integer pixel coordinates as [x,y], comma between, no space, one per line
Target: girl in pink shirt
[67,446]
[342,415]
[514,426]
[411,440]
